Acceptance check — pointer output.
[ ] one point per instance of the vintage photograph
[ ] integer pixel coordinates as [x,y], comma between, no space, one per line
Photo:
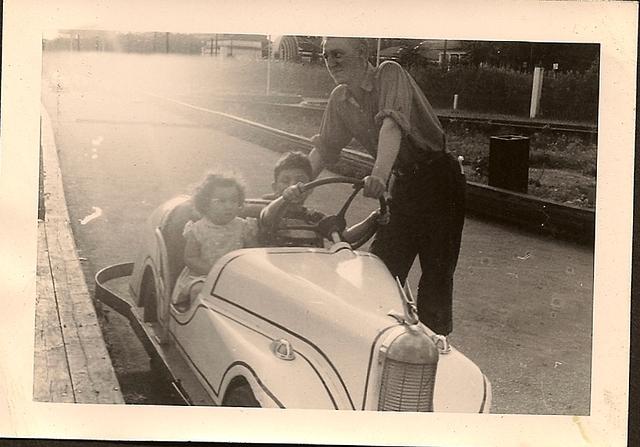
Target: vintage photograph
[242,222]
[226,273]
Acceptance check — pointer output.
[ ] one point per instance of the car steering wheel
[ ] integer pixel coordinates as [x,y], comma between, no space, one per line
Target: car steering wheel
[329,226]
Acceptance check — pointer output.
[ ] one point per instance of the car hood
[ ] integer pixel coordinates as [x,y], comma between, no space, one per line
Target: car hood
[294,285]
[336,303]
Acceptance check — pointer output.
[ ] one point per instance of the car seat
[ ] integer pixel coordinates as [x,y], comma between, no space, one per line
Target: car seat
[174,240]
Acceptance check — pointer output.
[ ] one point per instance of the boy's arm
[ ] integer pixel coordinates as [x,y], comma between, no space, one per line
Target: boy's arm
[269,212]
[364,229]
[193,258]
[290,194]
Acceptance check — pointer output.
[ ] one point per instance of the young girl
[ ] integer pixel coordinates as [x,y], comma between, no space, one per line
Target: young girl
[219,198]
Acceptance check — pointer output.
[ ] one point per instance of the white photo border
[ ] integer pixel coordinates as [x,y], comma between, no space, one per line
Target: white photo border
[611,24]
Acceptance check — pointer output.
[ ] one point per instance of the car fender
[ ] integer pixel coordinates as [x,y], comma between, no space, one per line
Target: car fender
[460,385]
[143,263]
[156,263]
[151,256]
[237,348]
[162,279]
[137,278]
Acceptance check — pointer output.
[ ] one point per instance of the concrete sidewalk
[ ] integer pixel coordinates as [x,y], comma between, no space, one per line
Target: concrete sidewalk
[71,362]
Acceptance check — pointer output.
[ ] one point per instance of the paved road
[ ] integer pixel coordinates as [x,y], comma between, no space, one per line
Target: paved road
[523,303]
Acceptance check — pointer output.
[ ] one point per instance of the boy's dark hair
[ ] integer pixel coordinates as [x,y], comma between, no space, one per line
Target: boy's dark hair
[212,180]
[292,160]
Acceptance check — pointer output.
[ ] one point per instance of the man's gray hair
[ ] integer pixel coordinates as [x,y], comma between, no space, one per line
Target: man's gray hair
[358,43]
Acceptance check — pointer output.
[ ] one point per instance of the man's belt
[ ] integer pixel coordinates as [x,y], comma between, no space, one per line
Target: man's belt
[409,169]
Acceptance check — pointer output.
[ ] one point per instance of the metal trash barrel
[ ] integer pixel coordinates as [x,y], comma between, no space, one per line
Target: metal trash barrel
[509,162]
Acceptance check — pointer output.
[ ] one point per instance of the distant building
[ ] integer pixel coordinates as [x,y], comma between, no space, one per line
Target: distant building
[449,52]
[231,45]
[431,51]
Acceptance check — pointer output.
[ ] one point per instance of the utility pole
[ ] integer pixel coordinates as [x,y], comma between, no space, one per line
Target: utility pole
[444,56]
[216,44]
[268,64]
[531,56]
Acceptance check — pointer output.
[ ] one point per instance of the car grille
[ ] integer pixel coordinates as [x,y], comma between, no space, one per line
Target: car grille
[407,386]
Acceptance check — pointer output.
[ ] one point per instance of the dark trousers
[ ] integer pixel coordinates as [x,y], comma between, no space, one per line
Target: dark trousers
[427,216]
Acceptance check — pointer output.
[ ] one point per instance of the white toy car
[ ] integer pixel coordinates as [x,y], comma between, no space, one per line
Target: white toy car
[289,327]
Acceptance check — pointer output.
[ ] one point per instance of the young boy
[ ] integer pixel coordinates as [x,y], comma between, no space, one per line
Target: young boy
[292,170]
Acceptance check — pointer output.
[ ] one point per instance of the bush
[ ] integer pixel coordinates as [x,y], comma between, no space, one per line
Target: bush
[571,95]
[567,96]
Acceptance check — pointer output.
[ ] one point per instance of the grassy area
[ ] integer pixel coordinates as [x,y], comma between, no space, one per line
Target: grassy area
[562,166]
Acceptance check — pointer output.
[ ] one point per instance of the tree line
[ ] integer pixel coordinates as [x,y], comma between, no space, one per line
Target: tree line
[521,56]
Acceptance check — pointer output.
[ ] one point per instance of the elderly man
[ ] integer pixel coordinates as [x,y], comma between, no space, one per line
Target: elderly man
[385,110]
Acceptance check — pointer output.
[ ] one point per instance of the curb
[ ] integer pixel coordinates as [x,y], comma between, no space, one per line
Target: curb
[457,116]
[71,362]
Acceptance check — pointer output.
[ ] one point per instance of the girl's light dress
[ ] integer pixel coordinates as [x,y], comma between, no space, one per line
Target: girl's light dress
[215,241]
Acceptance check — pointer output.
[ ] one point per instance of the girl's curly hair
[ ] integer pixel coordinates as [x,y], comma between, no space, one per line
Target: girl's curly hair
[204,191]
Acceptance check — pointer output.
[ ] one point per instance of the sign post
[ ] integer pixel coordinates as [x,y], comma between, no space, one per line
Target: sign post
[536,91]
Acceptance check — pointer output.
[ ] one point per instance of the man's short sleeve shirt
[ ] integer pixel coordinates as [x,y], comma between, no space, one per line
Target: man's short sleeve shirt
[389,92]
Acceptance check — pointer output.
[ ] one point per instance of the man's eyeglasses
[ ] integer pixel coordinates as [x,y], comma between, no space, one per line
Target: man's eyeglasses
[335,54]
